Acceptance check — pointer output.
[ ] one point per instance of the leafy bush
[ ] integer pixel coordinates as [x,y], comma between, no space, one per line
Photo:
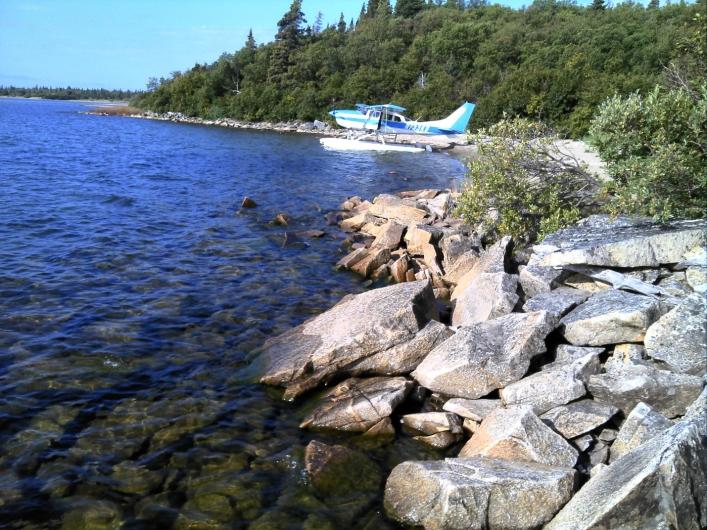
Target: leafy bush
[654,146]
[522,183]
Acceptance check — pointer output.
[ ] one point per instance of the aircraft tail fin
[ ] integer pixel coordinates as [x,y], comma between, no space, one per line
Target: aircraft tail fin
[457,120]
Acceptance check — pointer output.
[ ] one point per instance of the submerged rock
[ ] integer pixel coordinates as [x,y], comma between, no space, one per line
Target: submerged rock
[358,404]
[641,425]
[679,338]
[337,470]
[248,203]
[660,484]
[476,493]
[485,356]
[621,242]
[517,434]
[356,328]
[610,317]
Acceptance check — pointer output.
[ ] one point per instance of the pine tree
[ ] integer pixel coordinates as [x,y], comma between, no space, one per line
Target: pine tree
[289,28]
[383,9]
[341,26]
[408,8]
[598,5]
[317,27]
[372,8]
[250,41]
[654,4]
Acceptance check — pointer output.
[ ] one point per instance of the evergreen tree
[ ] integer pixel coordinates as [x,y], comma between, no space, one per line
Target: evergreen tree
[408,8]
[455,4]
[598,5]
[317,27]
[250,41]
[383,9]
[289,28]
[362,14]
[341,26]
[372,8]
[654,4]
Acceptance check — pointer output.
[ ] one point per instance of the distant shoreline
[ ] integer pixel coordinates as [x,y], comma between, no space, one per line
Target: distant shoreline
[82,100]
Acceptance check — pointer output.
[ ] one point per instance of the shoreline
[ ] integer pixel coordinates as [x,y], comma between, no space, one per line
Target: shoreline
[457,144]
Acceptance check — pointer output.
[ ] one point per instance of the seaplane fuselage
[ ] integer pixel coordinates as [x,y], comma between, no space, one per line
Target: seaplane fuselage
[391,119]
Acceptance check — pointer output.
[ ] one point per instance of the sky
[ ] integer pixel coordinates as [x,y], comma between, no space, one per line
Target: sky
[121,44]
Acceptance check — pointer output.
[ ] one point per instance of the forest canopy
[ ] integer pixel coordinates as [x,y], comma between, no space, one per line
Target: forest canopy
[552,61]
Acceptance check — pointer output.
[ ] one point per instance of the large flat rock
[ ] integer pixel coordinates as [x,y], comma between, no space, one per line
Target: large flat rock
[627,385]
[358,404]
[356,328]
[660,484]
[403,211]
[621,242]
[516,433]
[558,301]
[610,317]
[679,338]
[485,356]
[476,493]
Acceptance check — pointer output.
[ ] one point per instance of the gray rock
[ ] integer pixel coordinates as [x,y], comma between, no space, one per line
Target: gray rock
[598,454]
[610,317]
[679,338]
[675,285]
[579,417]
[476,493]
[485,356]
[625,354]
[405,357]
[536,279]
[555,385]
[607,434]
[439,440]
[583,442]
[389,236]
[401,210]
[558,302]
[567,352]
[626,386]
[660,484]
[439,206]
[621,242]
[357,327]
[454,246]
[358,404]
[488,296]
[433,422]
[641,425]
[473,409]
[516,433]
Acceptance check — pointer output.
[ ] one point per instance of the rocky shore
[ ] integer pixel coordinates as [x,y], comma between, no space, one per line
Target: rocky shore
[437,143]
[566,381]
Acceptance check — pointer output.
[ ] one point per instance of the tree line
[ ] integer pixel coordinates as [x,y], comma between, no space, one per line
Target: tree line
[553,61]
[67,93]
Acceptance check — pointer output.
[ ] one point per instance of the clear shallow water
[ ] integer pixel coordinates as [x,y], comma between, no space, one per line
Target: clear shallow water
[132,291]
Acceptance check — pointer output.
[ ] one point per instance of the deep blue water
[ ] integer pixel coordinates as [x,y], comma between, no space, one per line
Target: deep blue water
[132,291]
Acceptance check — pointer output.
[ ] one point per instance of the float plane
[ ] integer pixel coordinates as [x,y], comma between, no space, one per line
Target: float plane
[390,119]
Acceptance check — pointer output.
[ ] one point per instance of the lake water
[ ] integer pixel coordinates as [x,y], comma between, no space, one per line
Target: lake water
[131,293]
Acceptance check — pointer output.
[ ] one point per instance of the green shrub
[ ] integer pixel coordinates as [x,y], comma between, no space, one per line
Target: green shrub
[654,146]
[521,183]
